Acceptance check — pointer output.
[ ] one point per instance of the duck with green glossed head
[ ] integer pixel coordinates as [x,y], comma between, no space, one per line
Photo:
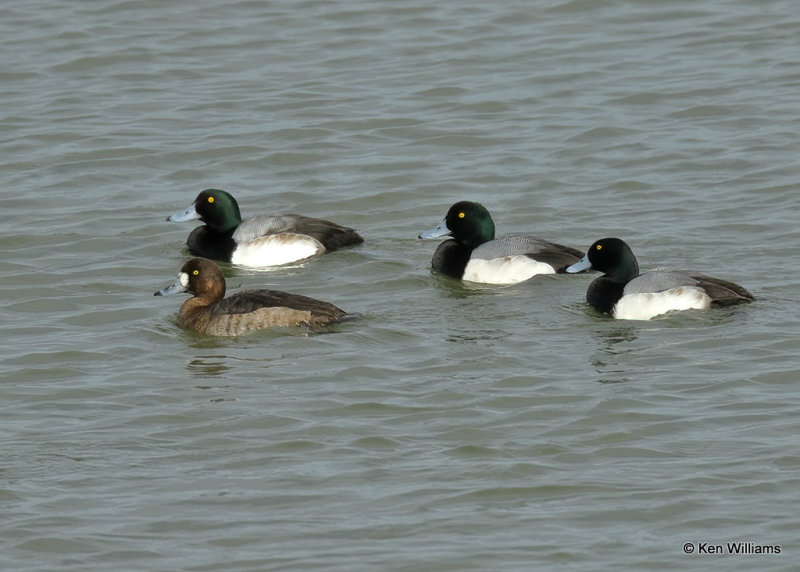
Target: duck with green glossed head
[473,253]
[624,293]
[259,241]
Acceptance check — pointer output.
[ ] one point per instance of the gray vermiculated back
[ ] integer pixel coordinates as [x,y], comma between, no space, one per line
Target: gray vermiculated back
[254,227]
[511,244]
[658,280]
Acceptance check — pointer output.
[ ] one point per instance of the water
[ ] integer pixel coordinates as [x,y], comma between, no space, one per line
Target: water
[453,427]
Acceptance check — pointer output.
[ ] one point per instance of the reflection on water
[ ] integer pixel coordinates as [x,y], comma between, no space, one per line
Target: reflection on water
[662,335]
[472,337]
[604,360]
[461,289]
[213,366]
[617,334]
[455,288]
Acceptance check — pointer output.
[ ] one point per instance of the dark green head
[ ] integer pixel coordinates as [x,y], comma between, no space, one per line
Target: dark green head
[467,222]
[611,256]
[218,209]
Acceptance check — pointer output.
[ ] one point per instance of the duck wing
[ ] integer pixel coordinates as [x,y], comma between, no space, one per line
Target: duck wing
[515,244]
[659,280]
[721,292]
[249,301]
[329,234]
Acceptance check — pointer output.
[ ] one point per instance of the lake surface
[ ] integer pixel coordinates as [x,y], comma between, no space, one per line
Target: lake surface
[453,427]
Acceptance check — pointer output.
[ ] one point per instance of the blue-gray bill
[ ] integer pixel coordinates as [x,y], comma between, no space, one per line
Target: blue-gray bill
[176,287]
[184,215]
[580,266]
[440,230]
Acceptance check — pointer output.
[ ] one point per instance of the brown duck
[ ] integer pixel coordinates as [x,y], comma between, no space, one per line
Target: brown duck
[209,312]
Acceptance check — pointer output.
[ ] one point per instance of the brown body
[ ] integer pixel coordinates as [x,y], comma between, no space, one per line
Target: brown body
[210,313]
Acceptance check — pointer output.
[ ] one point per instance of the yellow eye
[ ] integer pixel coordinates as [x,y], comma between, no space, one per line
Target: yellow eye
[599,247]
[211,199]
[195,272]
[461,215]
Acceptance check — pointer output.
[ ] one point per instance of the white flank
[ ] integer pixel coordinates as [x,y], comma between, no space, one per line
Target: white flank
[505,270]
[645,306]
[276,249]
[184,279]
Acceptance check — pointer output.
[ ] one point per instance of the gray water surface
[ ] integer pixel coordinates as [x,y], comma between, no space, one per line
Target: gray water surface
[453,427]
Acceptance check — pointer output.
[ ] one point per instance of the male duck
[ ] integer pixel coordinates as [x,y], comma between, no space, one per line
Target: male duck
[474,254]
[627,295]
[261,240]
[209,312]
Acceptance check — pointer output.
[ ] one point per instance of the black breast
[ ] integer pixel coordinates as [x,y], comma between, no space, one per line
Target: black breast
[604,293]
[451,258]
[208,243]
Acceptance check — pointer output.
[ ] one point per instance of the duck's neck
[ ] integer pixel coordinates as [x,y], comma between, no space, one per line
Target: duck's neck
[484,232]
[604,293]
[626,270]
[206,242]
[227,223]
[198,309]
[451,258]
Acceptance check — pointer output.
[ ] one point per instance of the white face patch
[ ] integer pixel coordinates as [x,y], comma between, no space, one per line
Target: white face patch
[643,306]
[183,278]
[505,270]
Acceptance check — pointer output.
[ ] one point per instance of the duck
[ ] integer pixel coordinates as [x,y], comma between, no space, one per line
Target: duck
[623,293]
[257,241]
[473,253]
[209,312]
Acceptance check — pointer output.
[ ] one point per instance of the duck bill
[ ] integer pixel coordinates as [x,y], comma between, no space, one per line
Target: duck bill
[178,286]
[184,215]
[440,230]
[580,266]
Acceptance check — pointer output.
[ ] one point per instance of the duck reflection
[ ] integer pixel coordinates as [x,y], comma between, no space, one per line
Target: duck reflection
[613,340]
[208,367]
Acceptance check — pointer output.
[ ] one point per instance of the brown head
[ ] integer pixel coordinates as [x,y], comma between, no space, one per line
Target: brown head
[199,277]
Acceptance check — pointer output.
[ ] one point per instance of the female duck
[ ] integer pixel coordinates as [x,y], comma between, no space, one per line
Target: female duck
[261,240]
[627,295]
[474,254]
[209,312]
